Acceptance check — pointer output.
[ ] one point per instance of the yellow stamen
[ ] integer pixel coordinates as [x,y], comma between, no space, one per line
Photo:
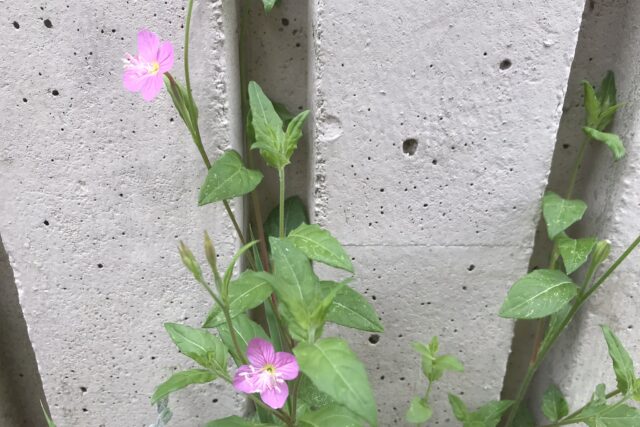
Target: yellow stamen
[154,68]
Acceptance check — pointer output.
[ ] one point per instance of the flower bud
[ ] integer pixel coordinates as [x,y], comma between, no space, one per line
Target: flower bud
[601,252]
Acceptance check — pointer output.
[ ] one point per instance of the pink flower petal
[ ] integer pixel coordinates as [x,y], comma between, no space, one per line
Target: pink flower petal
[243,383]
[134,81]
[165,57]
[148,44]
[286,366]
[152,87]
[260,352]
[275,398]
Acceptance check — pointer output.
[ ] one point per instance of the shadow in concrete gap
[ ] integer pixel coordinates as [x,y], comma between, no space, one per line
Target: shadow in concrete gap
[20,384]
[600,22]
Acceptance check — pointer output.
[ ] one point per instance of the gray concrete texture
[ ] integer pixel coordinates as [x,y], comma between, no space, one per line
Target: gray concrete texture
[97,186]
[609,39]
[438,234]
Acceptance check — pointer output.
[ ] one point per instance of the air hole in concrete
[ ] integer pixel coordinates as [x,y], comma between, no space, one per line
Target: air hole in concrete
[505,64]
[55,92]
[285,21]
[471,267]
[24,99]
[434,161]
[83,389]
[410,146]
[215,400]
[47,23]
[46,222]
[100,265]
[373,339]
[16,25]
[565,146]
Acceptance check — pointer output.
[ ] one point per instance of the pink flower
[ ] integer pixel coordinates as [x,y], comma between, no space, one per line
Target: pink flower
[143,72]
[266,373]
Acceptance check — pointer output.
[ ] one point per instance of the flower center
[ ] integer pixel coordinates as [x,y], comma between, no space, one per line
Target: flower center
[154,67]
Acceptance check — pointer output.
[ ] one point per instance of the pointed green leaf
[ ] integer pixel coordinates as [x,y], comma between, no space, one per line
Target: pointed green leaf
[294,133]
[554,405]
[248,291]
[50,422]
[458,407]
[607,91]
[448,363]
[591,104]
[622,362]
[560,214]
[269,4]
[228,178]
[235,421]
[284,114]
[267,125]
[319,245]
[352,310]
[330,416]
[232,264]
[246,330]
[538,294]
[189,261]
[337,371]
[611,140]
[181,380]
[606,116]
[524,417]
[309,394]
[199,345]
[419,412]
[615,416]
[294,215]
[575,252]
[488,415]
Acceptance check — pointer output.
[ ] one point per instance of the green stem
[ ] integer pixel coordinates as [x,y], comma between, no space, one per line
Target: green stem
[234,337]
[294,398]
[576,168]
[281,177]
[187,32]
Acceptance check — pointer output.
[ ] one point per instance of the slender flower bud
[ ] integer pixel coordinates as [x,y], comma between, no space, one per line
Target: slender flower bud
[601,252]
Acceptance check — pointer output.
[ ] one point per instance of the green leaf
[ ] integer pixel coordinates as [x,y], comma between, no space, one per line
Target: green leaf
[538,294]
[458,407]
[282,111]
[488,415]
[575,252]
[448,363]
[294,215]
[267,125]
[248,291]
[352,310]
[419,412]
[560,214]
[607,92]
[524,417]
[622,363]
[615,416]
[294,133]
[181,380]
[336,370]
[229,272]
[611,140]
[235,421]
[179,97]
[330,416]
[606,116]
[554,405]
[228,178]
[246,330]
[295,284]
[199,345]
[591,104]
[309,394]
[319,245]
[269,4]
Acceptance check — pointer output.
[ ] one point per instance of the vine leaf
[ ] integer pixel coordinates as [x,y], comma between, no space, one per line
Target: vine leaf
[181,380]
[611,140]
[228,178]
[554,405]
[622,362]
[538,294]
[351,309]
[560,214]
[575,252]
[319,245]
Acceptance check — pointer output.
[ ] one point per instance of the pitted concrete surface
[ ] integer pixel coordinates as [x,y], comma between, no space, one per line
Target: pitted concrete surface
[479,88]
[609,40]
[97,188]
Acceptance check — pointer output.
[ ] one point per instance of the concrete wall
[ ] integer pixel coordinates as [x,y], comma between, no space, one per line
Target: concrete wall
[609,40]
[435,125]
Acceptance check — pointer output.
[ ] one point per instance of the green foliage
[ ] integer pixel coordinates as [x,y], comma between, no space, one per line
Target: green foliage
[611,140]
[189,261]
[336,371]
[488,415]
[319,245]
[419,411]
[434,365]
[538,294]
[458,407]
[294,215]
[236,422]
[622,363]
[309,394]
[50,422]
[276,146]
[615,416]
[524,418]
[248,291]
[198,344]
[574,252]
[554,405]
[228,178]
[330,416]
[181,380]
[187,110]
[560,214]
[269,4]
[351,309]
[229,271]
[601,252]
[246,330]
